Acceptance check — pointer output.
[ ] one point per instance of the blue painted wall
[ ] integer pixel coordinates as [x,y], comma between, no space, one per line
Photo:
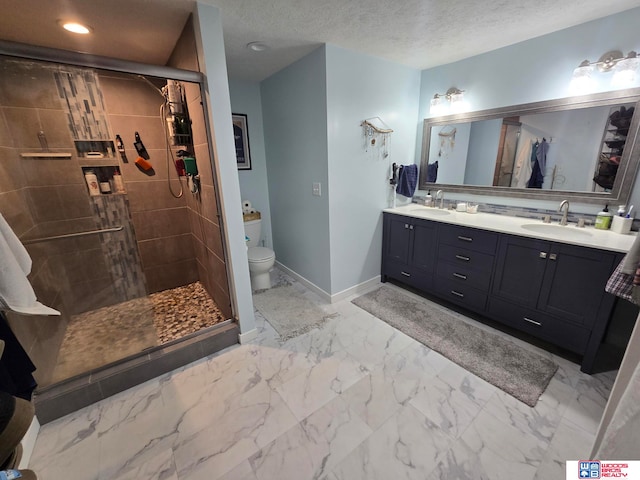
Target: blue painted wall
[294,107]
[360,87]
[245,98]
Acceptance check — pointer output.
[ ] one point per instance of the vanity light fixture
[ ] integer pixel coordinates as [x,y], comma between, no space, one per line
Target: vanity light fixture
[451,102]
[624,70]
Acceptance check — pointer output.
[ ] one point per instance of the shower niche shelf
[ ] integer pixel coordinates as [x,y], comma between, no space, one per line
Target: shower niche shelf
[95,149]
[45,155]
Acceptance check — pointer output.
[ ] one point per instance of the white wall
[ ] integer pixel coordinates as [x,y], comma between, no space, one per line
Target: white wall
[361,87]
[245,98]
[535,70]
[211,58]
[294,106]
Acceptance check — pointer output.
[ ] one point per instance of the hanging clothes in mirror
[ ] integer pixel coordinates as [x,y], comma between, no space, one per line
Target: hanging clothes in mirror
[539,164]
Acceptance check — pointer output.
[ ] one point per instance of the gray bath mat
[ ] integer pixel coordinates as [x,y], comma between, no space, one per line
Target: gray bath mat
[288,311]
[519,372]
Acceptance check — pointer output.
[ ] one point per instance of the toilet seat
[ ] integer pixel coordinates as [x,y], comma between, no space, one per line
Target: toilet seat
[260,254]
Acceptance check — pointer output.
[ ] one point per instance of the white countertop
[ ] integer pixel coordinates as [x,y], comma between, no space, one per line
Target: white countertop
[524,227]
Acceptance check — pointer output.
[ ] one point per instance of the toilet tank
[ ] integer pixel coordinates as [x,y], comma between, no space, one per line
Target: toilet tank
[252,230]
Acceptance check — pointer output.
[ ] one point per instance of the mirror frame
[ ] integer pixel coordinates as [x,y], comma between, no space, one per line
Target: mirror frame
[627,170]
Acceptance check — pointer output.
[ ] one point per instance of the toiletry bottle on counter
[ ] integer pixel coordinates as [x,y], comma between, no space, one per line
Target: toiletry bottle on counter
[92,182]
[603,219]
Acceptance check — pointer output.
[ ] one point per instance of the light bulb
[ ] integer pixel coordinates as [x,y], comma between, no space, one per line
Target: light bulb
[624,73]
[437,106]
[581,82]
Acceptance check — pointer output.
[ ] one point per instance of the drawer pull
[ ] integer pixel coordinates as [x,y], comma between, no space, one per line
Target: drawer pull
[543,254]
[460,276]
[462,257]
[405,274]
[532,321]
[553,256]
[406,225]
[410,227]
[465,239]
[457,294]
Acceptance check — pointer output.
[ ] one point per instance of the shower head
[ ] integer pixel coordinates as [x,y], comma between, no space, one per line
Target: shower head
[142,77]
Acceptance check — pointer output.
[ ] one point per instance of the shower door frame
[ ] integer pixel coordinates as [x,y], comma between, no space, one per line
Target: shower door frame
[69,395]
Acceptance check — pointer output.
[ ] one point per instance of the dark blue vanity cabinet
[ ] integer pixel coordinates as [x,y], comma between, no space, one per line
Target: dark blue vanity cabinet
[554,291]
[408,252]
[550,290]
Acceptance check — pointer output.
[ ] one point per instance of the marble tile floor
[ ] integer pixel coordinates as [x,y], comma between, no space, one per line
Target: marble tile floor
[354,399]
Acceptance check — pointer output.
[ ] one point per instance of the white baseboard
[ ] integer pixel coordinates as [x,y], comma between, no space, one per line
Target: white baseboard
[247,336]
[360,288]
[336,297]
[310,285]
[28,442]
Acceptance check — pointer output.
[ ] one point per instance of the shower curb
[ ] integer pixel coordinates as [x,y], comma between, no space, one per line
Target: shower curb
[71,395]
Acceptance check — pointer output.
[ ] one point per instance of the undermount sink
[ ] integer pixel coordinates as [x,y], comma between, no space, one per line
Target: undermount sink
[429,211]
[565,231]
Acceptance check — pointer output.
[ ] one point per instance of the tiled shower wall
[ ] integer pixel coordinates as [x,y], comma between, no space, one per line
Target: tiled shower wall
[204,215]
[161,221]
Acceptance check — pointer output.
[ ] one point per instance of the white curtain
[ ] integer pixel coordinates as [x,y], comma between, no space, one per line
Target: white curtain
[618,437]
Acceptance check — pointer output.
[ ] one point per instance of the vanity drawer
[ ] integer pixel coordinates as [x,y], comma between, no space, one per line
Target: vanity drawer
[551,329]
[408,275]
[469,238]
[464,257]
[462,274]
[464,295]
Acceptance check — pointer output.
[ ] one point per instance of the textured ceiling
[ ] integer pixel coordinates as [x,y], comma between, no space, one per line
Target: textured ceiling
[417,33]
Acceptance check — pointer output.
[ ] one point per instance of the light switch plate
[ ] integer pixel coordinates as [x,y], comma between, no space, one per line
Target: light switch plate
[317,190]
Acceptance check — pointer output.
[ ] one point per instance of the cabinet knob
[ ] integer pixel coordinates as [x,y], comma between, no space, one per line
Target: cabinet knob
[406,225]
[543,254]
[553,256]
[410,227]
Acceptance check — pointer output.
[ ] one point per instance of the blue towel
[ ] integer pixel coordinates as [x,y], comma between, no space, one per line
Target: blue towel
[407,180]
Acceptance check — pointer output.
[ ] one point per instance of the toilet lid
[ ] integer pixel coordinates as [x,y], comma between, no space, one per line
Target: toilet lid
[259,254]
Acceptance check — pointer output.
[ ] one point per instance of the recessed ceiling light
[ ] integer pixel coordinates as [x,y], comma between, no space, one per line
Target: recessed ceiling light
[75,27]
[257,46]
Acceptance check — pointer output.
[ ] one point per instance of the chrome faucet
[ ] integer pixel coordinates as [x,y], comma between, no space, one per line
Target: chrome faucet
[440,195]
[565,213]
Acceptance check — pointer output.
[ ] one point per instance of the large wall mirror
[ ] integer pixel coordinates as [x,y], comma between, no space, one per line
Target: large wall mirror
[578,148]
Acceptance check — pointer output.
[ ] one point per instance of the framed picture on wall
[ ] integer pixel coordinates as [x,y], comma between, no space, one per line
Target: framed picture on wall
[241,135]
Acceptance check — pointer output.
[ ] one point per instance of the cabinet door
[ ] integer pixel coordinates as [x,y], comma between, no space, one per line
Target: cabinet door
[520,269]
[397,239]
[424,245]
[574,282]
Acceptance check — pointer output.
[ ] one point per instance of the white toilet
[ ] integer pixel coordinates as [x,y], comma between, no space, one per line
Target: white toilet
[261,259]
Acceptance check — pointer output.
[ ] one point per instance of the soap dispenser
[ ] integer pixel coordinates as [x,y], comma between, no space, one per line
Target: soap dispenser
[603,219]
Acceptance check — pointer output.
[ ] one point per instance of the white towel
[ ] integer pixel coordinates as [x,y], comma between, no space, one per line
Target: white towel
[16,293]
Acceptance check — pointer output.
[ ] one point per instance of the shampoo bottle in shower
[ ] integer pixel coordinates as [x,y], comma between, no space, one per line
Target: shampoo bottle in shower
[117,181]
[92,182]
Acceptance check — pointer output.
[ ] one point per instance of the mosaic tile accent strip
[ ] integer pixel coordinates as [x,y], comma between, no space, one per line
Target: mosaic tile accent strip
[79,90]
[120,249]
